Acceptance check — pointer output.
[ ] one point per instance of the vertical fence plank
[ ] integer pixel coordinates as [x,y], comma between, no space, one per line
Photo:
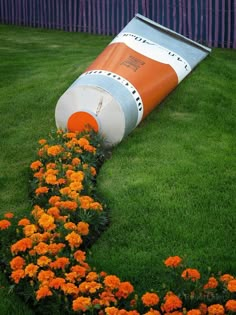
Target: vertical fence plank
[229,25]
[222,24]
[196,11]
[210,23]
[234,36]
[189,9]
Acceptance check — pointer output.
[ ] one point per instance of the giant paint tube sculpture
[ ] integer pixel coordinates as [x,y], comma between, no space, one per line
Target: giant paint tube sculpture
[134,73]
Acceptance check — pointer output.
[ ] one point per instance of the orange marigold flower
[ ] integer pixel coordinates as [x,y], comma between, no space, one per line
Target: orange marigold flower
[75,161]
[21,245]
[54,212]
[17,263]
[51,179]
[70,288]
[83,228]
[134,312]
[53,200]
[54,248]
[125,289]
[57,283]
[60,263]
[9,215]
[85,202]
[232,285]
[47,222]
[152,312]
[76,186]
[41,190]
[112,282]
[42,141]
[172,302]
[83,141]
[41,248]
[74,240]
[194,312]
[216,309]
[45,275]
[203,308]
[31,270]
[80,256]
[81,303]
[191,274]
[70,226]
[65,191]
[226,278]
[70,205]
[92,276]
[54,150]
[150,299]
[71,276]
[43,261]
[4,224]
[37,212]
[77,176]
[93,171]
[79,270]
[96,206]
[211,284]
[30,229]
[231,305]
[24,222]
[70,135]
[17,275]
[42,292]
[89,287]
[112,310]
[107,297]
[36,165]
[173,261]
[175,313]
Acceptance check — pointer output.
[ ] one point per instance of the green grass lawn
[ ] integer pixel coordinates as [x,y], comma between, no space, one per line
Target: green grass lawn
[170,184]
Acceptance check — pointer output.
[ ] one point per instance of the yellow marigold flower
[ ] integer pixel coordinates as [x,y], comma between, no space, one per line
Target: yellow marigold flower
[57,283]
[41,190]
[30,229]
[42,141]
[152,312]
[53,200]
[43,261]
[231,305]
[42,292]
[194,312]
[70,288]
[36,165]
[191,274]
[125,289]
[9,215]
[74,240]
[150,299]
[60,263]
[17,275]
[41,248]
[211,284]
[4,224]
[173,261]
[17,263]
[31,270]
[21,245]
[83,228]
[203,308]
[172,302]
[226,278]
[54,150]
[47,222]
[232,285]
[112,282]
[24,222]
[81,304]
[216,309]
[51,179]
[80,256]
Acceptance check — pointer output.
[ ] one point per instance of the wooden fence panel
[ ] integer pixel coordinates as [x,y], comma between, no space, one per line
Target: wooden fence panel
[210,22]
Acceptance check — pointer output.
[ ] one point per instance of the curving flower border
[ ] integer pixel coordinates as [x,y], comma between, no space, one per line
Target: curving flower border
[44,254]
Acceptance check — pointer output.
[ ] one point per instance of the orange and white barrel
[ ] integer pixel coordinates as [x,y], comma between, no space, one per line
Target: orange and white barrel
[133,74]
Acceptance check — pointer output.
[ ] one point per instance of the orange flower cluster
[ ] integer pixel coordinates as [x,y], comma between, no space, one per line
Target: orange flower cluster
[47,253]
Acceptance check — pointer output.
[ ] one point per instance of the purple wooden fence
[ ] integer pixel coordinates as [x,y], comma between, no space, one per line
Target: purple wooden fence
[210,22]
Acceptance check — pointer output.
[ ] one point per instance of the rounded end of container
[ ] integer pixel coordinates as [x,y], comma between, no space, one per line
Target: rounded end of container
[80,121]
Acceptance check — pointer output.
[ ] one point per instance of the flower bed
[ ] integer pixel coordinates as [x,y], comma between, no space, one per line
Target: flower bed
[44,254]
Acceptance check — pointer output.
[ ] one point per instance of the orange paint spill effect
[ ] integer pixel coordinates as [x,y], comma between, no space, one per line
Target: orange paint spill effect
[81,121]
